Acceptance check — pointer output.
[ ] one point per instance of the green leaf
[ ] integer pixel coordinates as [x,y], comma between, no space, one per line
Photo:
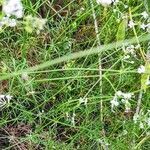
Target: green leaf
[121,30]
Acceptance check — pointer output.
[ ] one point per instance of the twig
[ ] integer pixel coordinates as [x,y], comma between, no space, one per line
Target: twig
[100,68]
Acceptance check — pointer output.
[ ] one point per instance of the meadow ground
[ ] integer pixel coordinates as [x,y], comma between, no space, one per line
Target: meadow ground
[80,83]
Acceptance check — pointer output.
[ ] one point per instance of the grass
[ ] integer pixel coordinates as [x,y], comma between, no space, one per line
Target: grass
[62,63]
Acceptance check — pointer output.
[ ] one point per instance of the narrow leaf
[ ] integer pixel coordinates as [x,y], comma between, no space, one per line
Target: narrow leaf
[121,30]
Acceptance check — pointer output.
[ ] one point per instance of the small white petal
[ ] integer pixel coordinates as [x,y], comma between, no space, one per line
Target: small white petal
[143,26]
[145,15]
[141,69]
[131,24]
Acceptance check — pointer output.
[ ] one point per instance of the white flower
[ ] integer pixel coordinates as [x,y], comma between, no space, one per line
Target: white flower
[130,49]
[12,22]
[13,8]
[104,2]
[126,6]
[119,93]
[126,57]
[141,69]
[8,22]
[125,100]
[34,24]
[41,22]
[114,103]
[131,24]
[143,26]
[83,100]
[145,15]
[25,76]
[127,96]
[4,99]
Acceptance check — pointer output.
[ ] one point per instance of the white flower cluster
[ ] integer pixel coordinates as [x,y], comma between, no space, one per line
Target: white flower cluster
[12,10]
[130,52]
[124,97]
[34,24]
[106,2]
[145,25]
[143,120]
[131,49]
[146,22]
[4,99]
